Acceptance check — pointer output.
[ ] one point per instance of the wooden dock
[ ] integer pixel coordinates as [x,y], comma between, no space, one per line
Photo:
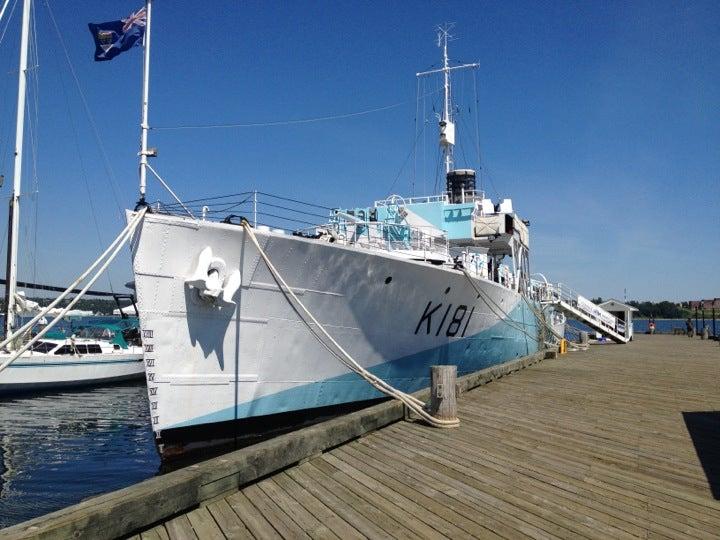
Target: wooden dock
[603,444]
[622,441]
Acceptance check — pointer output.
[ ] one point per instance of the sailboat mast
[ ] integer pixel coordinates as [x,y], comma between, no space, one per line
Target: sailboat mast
[144,126]
[14,210]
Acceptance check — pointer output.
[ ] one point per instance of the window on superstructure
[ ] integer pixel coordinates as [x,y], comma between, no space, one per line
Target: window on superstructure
[94,349]
[65,349]
[43,347]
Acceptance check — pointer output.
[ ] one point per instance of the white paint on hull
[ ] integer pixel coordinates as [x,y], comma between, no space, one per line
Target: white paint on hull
[202,359]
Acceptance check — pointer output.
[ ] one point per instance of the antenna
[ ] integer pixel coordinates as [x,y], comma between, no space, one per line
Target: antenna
[447,126]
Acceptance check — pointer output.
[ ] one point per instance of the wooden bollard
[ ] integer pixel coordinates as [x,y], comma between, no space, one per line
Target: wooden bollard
[443,403]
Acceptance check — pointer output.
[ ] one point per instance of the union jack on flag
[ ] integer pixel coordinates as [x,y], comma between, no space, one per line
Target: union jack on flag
[113,37]
[139,18]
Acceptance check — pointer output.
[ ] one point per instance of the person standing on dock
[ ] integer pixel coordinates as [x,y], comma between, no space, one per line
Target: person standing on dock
[690,328]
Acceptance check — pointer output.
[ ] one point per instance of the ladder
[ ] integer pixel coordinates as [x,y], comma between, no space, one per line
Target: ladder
[582,309]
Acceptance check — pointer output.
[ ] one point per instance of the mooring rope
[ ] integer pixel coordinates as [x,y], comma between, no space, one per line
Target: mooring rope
[113,251]
[411,402]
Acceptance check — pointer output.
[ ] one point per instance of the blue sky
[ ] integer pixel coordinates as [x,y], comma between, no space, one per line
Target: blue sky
[599,119]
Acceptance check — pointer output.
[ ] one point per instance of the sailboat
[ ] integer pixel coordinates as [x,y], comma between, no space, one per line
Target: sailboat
[250,327]
[93,356]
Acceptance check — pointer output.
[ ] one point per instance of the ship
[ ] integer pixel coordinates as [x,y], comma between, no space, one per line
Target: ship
[398,285]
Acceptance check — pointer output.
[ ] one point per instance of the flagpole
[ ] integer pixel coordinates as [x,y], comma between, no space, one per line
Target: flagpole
[145,98]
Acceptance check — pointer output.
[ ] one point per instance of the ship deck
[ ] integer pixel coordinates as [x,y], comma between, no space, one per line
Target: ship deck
[620,441]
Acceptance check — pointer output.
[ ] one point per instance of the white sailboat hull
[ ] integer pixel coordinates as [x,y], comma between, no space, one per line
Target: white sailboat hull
[211,367]
[42,371]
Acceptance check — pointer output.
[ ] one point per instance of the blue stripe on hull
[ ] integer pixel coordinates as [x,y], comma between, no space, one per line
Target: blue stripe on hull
[492,346]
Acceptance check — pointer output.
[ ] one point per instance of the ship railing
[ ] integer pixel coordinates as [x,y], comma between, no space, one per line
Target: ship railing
[467,195]
[279,213]
[415,242]
[400,201]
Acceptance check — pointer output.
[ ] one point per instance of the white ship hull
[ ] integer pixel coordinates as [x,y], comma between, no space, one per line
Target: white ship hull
[209,368]
[35,371]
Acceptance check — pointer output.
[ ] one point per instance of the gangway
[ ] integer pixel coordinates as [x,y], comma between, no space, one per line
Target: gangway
[582,309]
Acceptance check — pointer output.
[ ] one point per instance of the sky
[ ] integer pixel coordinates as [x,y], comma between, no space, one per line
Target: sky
[601,120]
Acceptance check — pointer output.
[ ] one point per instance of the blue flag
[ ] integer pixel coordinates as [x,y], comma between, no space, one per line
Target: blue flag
[113,37]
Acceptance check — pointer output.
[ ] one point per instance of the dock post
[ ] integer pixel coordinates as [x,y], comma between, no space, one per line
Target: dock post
[584,338]
[443,402]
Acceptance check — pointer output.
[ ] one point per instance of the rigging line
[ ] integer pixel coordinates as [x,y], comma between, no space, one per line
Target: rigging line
[205,199]
[106,161]
[4,156]
[424,144]
[291,220]
[229,207]
[477,128]
[292,210]
[417,114]
[461,123]
[81,161]
[167,187]
[7,24]
[282,122]
[2,11]
[294,200]
[407,158]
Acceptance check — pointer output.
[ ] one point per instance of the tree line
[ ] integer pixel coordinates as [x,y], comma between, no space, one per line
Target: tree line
[657,310]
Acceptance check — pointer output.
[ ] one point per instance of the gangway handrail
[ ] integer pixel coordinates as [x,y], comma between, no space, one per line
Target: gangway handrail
[581,307]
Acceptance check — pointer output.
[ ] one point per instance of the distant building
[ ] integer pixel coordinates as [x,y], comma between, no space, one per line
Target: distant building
[713,303]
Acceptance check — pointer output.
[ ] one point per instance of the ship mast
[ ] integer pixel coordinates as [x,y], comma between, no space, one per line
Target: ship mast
[447,126]
[14,209]
[144,126]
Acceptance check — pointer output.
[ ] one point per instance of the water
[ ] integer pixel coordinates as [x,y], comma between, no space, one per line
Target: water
[59,448]
[662,326]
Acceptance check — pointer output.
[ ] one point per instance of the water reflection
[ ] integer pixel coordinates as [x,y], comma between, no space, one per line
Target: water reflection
[59,448]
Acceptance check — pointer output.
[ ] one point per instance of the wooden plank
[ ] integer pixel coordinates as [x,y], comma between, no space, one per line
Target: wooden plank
[539,513]
[317,508]
[626,510]
[356,470]
[253,519]
[347,512]
[179,528]
[156,533]
[478,509]
[309,523]
[229,522]
[381,517]
[469,518]
[203,524]
[375,498]
[282,523]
